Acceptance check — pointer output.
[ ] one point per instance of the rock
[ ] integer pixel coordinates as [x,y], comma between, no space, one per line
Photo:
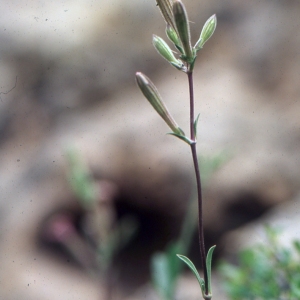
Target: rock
[283,217]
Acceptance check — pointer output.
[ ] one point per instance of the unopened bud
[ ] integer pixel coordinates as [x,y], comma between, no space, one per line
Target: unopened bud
[165,7]
[165,51]
[183,29]
[151,93]
[206,33]
[172,35]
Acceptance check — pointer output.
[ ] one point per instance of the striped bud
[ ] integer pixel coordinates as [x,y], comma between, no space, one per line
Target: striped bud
[165,51]
[183,29]
[165,7]
[151,93]
[172,35]
[207,32]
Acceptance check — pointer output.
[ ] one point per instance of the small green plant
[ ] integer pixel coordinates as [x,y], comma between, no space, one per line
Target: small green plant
[178,32]
[104,235]
[266,271]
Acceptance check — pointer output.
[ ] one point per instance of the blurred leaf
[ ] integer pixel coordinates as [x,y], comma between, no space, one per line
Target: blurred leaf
[297,246]
[266,271]
[117,239]
[80,179]
[161,277]
[165,271]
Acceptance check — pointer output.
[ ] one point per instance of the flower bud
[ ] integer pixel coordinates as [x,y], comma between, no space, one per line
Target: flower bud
[172,35]
[183,29]
[206,33]
[150,92]
[165,51]
[165,7]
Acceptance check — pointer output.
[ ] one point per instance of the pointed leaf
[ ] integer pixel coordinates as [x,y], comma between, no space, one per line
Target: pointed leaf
[194,270]
[208,267]
[195,124]
[183,138]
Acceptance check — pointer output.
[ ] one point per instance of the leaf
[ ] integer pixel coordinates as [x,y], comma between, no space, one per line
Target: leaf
[297,246]
[166,269]
[195,124]
[161,276]
[183,138]
[194,270]
[208,267]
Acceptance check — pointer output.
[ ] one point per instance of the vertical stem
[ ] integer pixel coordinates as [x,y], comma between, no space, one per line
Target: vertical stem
[198,179]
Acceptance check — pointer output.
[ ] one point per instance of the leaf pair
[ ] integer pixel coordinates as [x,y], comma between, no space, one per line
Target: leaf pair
[201,281]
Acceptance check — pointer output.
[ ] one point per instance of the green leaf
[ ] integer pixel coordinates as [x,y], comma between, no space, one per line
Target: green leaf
[297,246]
[165,270]
[208,267]
[80,179]
[161,276]
[182,137]
[180,67]
[194,270]
[195,124]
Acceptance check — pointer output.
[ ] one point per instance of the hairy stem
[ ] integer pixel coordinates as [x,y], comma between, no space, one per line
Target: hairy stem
[198,179]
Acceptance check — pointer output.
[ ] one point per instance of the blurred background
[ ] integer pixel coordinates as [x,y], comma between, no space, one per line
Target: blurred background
[67,73]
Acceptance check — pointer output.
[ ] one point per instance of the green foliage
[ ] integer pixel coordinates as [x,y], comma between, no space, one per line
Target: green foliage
[190,264]
[80,179]
[266,271]
[165,270]
[110,236]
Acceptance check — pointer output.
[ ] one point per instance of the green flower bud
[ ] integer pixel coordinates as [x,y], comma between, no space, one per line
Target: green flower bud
[165,51]
[206,33]
[151,93]
[172,35]
[183,29]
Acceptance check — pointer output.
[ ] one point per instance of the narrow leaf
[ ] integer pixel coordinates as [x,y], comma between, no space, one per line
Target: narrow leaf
[194,270]
[182,137]
[208,267]
[195,124]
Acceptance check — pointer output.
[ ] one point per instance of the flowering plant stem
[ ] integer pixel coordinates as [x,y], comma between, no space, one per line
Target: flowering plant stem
[178,32]
[198,178]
